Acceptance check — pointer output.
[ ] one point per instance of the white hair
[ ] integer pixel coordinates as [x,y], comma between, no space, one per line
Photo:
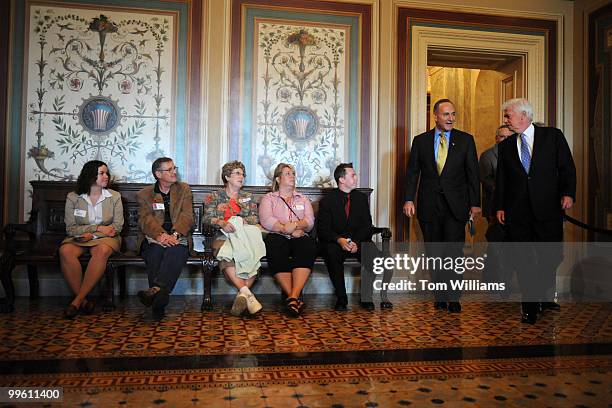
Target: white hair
[519,105]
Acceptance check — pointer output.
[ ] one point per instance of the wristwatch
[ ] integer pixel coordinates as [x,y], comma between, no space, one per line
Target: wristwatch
[176,234]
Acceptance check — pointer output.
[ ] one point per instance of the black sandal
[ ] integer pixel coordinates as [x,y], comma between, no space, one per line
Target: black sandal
[87,307]
[71,311]
[293,308]
[301,305]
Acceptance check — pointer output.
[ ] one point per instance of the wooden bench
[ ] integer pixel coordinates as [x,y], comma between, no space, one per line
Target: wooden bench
[35,243]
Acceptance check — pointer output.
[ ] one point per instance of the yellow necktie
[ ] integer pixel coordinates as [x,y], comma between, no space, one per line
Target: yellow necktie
[442,153]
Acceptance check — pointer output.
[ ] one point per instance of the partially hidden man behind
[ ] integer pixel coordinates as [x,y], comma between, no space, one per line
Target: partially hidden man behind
[445,161]
[488,172]
[496,270]
[536,183]
[343,224]
[166,219]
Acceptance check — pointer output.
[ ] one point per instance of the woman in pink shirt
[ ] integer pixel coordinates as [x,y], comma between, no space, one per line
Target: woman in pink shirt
[290,251]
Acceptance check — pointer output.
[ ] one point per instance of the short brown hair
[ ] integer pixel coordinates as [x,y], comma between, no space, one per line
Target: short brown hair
[277,173]
[226,170]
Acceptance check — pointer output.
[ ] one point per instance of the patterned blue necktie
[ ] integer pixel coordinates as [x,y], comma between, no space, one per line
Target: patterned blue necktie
[525,156]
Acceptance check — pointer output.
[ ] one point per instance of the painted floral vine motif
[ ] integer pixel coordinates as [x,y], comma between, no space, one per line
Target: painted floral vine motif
[115,69]
[102,26]
[302,101]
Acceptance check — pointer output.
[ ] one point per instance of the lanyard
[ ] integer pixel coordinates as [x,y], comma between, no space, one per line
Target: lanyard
[290,209]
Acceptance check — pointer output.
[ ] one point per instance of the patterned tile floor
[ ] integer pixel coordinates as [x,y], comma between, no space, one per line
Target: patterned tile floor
[410,356]
[527,390]
[37,329]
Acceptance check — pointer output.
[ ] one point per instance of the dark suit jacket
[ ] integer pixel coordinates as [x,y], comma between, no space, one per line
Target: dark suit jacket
[459,181]
[332,222]
[552,174]
[488,170]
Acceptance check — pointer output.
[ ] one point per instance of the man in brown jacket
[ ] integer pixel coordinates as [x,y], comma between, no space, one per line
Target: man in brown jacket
[166,218]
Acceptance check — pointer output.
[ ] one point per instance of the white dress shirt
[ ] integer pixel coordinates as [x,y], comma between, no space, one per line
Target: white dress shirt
[94,211]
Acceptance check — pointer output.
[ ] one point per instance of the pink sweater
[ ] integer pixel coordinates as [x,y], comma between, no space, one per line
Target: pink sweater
[273,209]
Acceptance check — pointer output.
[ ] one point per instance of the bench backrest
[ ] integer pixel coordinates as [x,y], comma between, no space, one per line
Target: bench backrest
[49,199]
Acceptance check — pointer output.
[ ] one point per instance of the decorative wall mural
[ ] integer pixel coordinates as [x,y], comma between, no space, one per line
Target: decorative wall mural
[301,97]
[300,88]
[99,87]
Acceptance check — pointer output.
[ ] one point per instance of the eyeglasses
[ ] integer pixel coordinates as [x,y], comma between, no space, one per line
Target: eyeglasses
[236,173]
[171,169]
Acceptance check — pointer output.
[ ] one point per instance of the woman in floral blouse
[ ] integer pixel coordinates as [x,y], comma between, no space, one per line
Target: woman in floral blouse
[219,207]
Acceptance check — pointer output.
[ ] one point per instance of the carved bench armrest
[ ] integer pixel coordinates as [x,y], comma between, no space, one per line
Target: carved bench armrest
[384,232]
[209,231]
[11,229]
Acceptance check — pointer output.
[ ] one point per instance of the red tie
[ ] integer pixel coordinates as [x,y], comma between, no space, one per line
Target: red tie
[347,205]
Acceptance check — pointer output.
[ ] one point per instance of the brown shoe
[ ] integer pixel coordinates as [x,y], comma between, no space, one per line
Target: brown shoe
[148,296]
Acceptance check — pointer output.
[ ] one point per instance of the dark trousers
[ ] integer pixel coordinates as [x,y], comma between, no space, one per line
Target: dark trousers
[164,265]
[367,273]
[497,268]
[334,257]
[536,265]
[444,236]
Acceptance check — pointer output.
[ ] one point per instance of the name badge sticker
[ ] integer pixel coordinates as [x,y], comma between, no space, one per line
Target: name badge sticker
[158,206]
[244,200]
[299,207]
[80,213]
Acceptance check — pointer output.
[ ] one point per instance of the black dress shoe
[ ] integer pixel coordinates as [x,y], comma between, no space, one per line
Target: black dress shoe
[454,307]
[340,306]
[341,303]
[159,313]
[529,318]
[440,305]
[367,305]
[385,304]
[550,306]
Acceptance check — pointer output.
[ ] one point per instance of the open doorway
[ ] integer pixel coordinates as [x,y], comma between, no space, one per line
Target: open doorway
[482,38]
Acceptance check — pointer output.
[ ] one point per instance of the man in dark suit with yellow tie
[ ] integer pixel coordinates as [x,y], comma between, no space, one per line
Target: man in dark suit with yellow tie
[445,161]
[536,183]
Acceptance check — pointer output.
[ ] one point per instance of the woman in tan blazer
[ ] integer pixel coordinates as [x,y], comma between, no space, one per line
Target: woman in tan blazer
[94,218]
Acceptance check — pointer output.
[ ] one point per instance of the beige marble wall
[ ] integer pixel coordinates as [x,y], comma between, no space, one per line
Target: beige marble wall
[476,94]
[487,108]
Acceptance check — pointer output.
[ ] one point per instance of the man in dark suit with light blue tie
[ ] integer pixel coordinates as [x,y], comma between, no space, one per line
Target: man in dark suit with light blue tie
[444,159]
[536,183]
